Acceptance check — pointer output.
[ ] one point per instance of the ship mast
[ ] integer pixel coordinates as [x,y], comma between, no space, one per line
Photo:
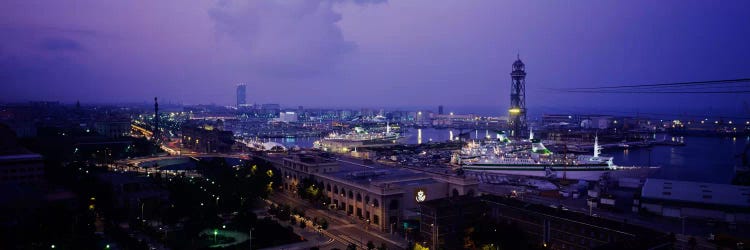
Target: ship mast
[531,134]
[597,148]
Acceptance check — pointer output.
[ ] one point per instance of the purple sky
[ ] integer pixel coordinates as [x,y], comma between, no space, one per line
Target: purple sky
[370,53]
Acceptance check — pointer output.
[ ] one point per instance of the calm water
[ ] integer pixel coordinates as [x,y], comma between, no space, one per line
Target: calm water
[706,159]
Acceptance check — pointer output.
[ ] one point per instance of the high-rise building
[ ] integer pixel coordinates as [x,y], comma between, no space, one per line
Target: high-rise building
[517,110]
[288,117]
[440,110]
[241,88]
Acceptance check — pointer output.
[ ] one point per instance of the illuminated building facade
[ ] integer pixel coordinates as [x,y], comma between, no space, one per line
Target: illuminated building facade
[383,198]
[206,138]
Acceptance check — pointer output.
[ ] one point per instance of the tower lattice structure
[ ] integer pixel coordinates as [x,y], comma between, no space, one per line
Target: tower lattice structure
[517,110]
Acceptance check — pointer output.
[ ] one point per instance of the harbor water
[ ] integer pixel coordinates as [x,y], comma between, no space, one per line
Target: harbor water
[703,159]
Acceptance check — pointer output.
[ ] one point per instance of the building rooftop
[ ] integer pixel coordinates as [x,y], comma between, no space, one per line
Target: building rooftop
[379,176]
[309,159]
[20,157]
[697,192]
[619,226]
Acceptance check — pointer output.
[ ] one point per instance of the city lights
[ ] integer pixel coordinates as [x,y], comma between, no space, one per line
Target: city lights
[360,124]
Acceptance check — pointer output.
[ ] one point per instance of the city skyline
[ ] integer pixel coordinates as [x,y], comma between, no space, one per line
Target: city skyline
[371,53]
[374,124]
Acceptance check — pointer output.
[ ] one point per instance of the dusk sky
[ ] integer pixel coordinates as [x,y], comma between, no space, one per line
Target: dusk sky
[339,53]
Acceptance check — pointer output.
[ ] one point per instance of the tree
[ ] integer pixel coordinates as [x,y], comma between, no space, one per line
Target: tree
[273,210]
[672,237]
[692,242]
[370,245]
[418,246]
[382,247]
[311,190]
[284,213]
[351,247]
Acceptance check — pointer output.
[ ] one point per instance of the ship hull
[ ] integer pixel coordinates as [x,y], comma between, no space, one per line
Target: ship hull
[588,173]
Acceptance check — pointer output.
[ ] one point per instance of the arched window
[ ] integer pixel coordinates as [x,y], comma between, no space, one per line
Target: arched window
[359,197]
[375,203]
[455,193]
[335,189]
[393,205]
[328,187]
[351,195]
[367,199]
[343,191]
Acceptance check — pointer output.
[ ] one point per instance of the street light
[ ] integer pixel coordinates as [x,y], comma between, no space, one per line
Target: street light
[683,224]
[250,245]
[216,232]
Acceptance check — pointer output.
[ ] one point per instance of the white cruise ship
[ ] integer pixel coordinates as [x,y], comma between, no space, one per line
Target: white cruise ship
[531,158]
[357,138]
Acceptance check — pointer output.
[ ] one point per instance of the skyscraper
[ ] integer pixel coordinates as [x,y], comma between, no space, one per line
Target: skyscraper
[241,94]
[517,110]
[440,110]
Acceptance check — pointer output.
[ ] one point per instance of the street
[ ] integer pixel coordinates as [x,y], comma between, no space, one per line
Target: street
[343,229]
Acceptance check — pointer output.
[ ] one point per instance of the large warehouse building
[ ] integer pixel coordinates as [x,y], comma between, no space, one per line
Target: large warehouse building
[383,197]
[720,202]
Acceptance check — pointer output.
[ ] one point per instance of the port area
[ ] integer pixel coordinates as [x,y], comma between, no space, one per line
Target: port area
[616,203]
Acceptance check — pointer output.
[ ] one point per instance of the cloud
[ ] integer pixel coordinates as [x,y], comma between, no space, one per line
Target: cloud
[365,2]
[35,62]
[285,38]
[60,44]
